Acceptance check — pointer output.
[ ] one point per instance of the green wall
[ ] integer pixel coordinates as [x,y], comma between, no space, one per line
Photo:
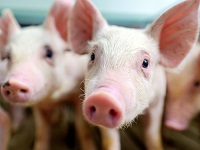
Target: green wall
[122,12]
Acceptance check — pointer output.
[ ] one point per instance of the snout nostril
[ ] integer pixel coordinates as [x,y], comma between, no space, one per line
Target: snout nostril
[7,93]
[23,90]
[92,109]
[113,113]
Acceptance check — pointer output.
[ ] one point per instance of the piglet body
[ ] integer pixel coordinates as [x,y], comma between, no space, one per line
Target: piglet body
[126,73]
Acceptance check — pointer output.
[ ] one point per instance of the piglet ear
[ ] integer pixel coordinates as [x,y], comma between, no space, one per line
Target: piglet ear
[176,32]
[8,26]
[84,23]
[57,18]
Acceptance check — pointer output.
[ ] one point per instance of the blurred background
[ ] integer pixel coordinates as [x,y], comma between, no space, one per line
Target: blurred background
[121,12]
[130,13]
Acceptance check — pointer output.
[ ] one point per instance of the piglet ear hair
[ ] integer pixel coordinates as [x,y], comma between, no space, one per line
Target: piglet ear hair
[84,23]
[176,32]
[57,18]
[8,26]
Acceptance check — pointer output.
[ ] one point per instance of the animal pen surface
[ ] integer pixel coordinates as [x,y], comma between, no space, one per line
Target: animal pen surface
[64,136]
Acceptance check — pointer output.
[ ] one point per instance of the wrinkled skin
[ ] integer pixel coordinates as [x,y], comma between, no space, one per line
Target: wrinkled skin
[183,92]
[126,74]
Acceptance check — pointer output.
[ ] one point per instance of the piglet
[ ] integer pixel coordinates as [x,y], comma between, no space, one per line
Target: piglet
[16,113]
[183,92]
[42,72]
[126,73]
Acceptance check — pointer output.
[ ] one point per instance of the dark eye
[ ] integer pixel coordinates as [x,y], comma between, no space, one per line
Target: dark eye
[92,57]
[145,63]
[48,52]
[196,83]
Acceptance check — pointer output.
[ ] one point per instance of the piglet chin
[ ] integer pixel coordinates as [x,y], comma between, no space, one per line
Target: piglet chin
[104,108]
[176,124]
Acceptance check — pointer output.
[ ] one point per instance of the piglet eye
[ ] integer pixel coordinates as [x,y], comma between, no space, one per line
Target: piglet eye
[48,52]
[145,63]
[92,58]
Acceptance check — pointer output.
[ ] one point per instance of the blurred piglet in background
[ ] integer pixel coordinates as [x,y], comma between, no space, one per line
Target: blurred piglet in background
[183,92]
[42,72]
[14,114]
[126,69]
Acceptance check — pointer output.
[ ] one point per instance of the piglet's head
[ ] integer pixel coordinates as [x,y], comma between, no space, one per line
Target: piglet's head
[34,54]
[118,85]
[183,92]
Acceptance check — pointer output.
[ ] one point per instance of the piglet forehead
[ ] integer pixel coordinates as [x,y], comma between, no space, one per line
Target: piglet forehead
[123,41]
[31,38]
[28,34]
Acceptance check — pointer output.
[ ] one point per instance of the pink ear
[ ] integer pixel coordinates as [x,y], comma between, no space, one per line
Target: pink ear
[8,27]
[84,23]
[176,31]
[57,17]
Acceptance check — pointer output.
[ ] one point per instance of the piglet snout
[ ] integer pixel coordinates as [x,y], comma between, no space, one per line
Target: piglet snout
[15,91]
[103,109]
